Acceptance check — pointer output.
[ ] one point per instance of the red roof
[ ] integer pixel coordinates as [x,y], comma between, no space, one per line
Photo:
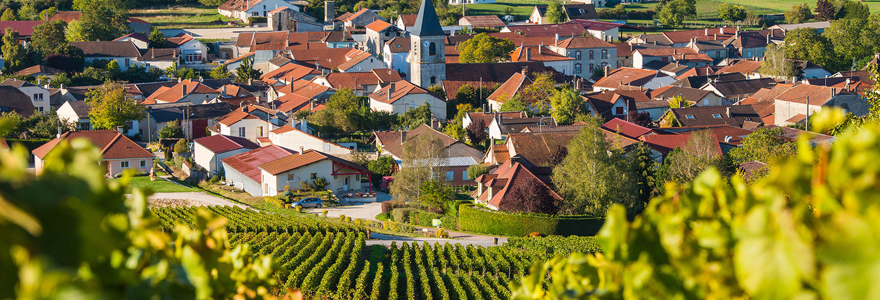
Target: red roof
[223,143]
[596,25]
[507,177]
[248,163]
[24,28]
[510,88]
[401,89]
[113,144]
[584,42]
[626,129]
[536,53]
[290,72]
[627,76]
[665,143]
[482,21]
[378,25]
[551,30]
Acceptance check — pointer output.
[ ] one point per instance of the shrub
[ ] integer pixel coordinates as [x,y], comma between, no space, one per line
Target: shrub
[401,215]
[324,213]
[320,183]
[181,146]
[441,233]
[449,222]
[342,218]
[348,220]
[495,222]
[535,234]
[305,186]
[423,218]
[386,207]
[452,206]
[299,209]
[215,179]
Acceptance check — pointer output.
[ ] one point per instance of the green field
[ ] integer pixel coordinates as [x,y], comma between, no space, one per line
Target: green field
[160,185]
[182,17]
[521,8]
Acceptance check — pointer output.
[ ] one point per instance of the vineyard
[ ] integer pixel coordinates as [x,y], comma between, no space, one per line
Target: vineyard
[326,260]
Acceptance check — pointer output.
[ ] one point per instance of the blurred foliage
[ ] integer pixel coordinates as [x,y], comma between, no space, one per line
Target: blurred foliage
[71,234]
[806,231]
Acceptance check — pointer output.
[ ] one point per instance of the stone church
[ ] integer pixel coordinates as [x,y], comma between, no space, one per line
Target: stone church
[427,58]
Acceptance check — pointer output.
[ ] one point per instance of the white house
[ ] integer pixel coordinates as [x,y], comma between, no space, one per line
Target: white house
[292,138]
[243,170]
[39,95]
[395,52]
[118,153]
[138,39]
[191,50]
[251,122]
[209,151]
[399,97]
[341,175]
[360,61]
[244,9]
[76,112]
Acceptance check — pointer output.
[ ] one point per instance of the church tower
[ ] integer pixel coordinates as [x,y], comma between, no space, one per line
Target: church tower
[427,56]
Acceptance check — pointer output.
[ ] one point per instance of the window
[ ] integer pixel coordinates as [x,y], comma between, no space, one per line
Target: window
[577,55]
[143,164]
[433,80]
[464,175]
[432,49]
[717,116]
[748,53]
[126,62]
[592,69]
[387,33]
[691,117]
[450,176]
[591,54]
[290,177]
[357,177]
[345,180]
[259,131]
[40,109]
[604,53]
[123,164]
[241,131]
[36,98]
[313,176]
[255,14]
[577,68]
[618,110]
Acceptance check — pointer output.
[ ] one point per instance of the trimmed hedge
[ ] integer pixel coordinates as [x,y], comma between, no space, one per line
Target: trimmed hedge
[423,218]
[449,222]
[475,219]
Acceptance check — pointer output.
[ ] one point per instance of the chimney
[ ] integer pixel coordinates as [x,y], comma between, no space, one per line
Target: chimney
[556,40]
[244,107]
[528,54]
[716,36]
[736,35]
[121,129]
[311,105]
[201,79]
[722,30]
[729,115]
[706,31]
[674,51]
[607,70]
[402,137]
[846,87]
[179,79]
[250,81]
[301,150]
[655,42]
[304,125]
[539,48]
[768,38]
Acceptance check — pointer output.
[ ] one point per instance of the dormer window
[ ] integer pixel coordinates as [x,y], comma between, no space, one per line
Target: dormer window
[690,117]
[717,116]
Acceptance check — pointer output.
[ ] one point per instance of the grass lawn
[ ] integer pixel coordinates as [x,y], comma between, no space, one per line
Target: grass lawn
[160,185]
[521,8]
[182,17]
[760,6]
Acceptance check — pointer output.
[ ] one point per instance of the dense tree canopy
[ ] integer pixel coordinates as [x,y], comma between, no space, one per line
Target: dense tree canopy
[14,54]
[731,13]
[825,10]
[806,44]
[49,38]
[567,104]
[798,14]
[775,65]
[673,12]
[103,20]
[484,48]
[554,13]
[112,107]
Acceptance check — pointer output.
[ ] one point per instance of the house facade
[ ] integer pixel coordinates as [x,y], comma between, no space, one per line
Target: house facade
[402,96]
[117,151]
[76,113]
[341,175]
[208,152]
[39,95]
[588,54]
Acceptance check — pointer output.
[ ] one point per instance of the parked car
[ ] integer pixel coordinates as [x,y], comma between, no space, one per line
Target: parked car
[307,203]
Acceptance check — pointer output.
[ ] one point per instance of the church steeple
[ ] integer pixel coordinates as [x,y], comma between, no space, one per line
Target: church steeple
[427,23]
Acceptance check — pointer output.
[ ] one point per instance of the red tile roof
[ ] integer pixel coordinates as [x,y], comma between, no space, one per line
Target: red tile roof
[510,88]
[665,51]
[308,157]
[290,72]
[482,21]
[665,143]
[223,143]
[548,30]
[509,176]
[626,129]
[378,25]
[764,102]
[584,42]
[742,66]
[409,20]
[627,76]
[539,147]
[401,89]
[350,79]
[326,58]
[248,163]
[38,69]
[113,144]
[536,53]
[818,95]
[354,57]
[291,102]
[177,92]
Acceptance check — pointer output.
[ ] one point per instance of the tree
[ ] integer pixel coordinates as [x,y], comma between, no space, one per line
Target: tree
[477,171]
[531,196]
[593,174]
[172,130]
[340,113]
[437,90]
[673,12]
[8,15]
[76,32]
[567,105]
[731,13]
[765,145]
[211,3]
[640,118]
[434,194]
[476,131]
[854,10]
[853,39]
[798,14]
[809,220]
[14,55]
[102,20]
[700,154]
[47,13]
[112,107]
[220,72]
[415,117]
[679,102]
[538,93]
[824,10]
[49,38]
[27,13]
[807,44]
[554,13]
[157,39]
[644,168]
[180,146]
[112,68]
[775,65]
[246,70]
[70,221]
[514,104]
[484,48]
[455,130]
[423,159]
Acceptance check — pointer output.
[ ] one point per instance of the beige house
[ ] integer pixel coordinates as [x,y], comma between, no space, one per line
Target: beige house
[341,175]
[399,97]
[119,152]
[251,122]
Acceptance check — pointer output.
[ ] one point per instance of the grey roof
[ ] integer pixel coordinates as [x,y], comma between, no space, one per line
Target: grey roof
[814,25]
[699,81]
[15,83]
[715,115]
[280,61]
[742,87]
[108,49]
[427,23]
[518,124]
[80,108]
[11,99]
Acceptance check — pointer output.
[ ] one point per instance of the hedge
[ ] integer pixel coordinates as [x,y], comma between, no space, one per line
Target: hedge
[479,220]
[423,218]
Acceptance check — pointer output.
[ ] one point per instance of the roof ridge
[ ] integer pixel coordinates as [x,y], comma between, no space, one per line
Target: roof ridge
[115,138]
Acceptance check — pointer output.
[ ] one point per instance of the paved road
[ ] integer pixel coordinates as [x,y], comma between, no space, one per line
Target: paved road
[199,197]
[385,240]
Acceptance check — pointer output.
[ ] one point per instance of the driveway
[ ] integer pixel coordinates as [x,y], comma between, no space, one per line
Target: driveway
[367,211]
[191,198]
